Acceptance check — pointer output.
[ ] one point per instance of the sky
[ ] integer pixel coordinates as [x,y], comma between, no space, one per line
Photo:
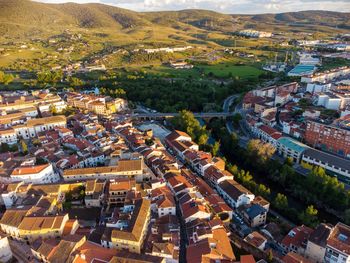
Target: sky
[224,6]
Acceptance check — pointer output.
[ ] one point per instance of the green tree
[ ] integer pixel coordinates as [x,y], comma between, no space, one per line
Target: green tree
[75,82]
[215,149]
[53,109]
[309,216]
[6,78]
[4,147]
[281,201]
[263,151]
[270,256]
[24,147]
[188,123]
[263,190]
[236,118]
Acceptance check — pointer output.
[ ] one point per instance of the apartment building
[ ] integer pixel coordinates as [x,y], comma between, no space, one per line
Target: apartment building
[328,137]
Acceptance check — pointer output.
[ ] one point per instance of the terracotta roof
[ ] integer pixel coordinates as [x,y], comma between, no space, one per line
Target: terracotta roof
[122,166]
[217,247]
[340,238]
[297,236]
[292,257]
[134,231]
[122,184]
[40,223]
[7,131]
[255,239]
[13,217]
[23,170]
[45,121]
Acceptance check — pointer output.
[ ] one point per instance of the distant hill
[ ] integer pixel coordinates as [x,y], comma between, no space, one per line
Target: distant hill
[24,18]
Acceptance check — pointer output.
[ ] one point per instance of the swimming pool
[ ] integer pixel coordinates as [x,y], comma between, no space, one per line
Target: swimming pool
[301,70]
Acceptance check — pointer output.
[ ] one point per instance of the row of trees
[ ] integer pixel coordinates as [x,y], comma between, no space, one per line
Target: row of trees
[317,189]
[6,78]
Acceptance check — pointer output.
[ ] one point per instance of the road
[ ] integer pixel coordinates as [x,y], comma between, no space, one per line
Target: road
[243,140]
[226,108]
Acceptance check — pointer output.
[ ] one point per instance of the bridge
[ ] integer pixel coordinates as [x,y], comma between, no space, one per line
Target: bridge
[160,115]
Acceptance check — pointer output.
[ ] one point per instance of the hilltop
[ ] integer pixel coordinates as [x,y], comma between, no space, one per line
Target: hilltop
[24,18]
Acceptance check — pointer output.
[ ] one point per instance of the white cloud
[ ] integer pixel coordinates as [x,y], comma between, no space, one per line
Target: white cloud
[226,6]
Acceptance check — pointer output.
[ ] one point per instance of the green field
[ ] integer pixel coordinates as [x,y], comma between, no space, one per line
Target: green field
[221,70]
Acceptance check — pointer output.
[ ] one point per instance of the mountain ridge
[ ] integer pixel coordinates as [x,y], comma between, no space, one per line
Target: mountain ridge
[20,18]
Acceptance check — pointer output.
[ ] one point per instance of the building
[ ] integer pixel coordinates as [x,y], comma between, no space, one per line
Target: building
[257,240]
[36,174]
[5,249]
[215,248]
[296,240]
[235,194]
[123,169]
[290,148]
[338,245]
[267,134]
[194,210]
[94,193]
[20,224]
[293,257]
[254,33]
[329,138]
[118,189]
[8,136]
[131,238]
[35,126]
[316,87]
[255,215]
[333,164]
[316,244]
[326,76]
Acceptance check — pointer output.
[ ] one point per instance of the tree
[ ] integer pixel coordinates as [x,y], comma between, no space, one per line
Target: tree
[188,123]
[215,149]
[309,216]
[53,109]
[281,201]
[236,118]
[24,147]
[270,256]
[4,147]
[263,190]
[75,82]
[263,151]
[6,78]
[36,142]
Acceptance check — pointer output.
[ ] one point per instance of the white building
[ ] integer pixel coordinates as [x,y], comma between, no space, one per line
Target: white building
[5,250]
[326,76]
[328,100]
[317,87]
[316,244]
[8,136]
[332,163]
[37,174]
[235,194]
[338,245]
[34,126]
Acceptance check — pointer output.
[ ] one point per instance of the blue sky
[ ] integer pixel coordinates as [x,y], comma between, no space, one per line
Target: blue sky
[224,6]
